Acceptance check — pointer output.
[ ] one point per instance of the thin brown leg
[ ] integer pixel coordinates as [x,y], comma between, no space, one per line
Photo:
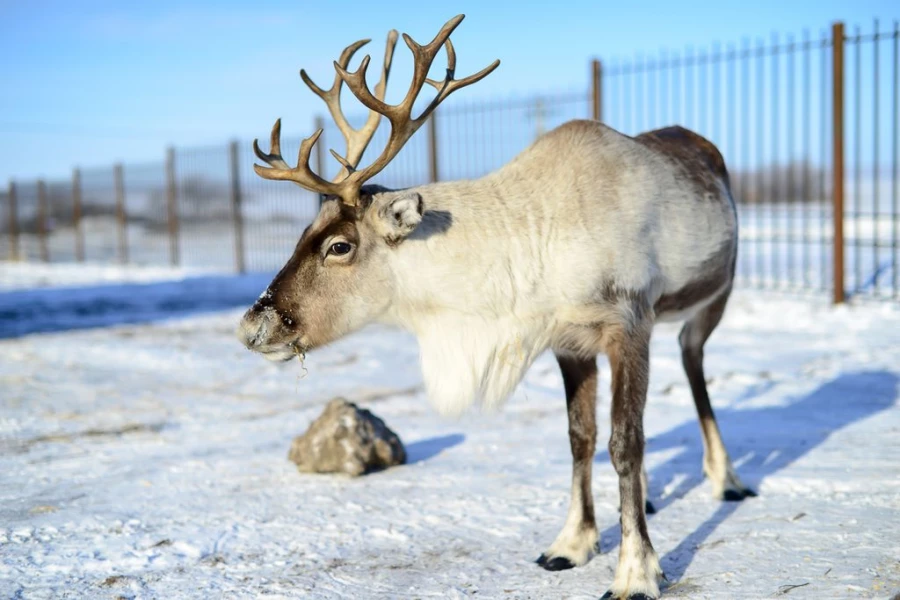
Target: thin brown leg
[638,571]
[716,462]
[576,542]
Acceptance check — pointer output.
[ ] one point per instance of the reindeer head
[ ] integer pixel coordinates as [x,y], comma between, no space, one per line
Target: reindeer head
[337,279]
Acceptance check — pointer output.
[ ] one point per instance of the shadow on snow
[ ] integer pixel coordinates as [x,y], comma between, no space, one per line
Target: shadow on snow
[422,450]
[782,435]
[46,310]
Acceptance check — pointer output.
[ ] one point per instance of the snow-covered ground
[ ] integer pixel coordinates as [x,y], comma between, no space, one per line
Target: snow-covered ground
[30,275]
[149,461]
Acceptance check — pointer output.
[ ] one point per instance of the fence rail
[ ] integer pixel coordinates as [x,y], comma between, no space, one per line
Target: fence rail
[808,127]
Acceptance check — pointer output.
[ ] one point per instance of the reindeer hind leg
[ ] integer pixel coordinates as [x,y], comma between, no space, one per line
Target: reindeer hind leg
[716,462]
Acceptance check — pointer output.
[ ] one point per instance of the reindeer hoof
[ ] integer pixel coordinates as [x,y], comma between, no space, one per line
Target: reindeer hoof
[609,596]
[557,563]
[738,495]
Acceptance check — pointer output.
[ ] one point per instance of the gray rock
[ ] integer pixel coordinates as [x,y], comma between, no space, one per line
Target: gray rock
[347,439]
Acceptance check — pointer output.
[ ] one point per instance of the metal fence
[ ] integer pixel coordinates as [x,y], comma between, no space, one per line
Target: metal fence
[808,127]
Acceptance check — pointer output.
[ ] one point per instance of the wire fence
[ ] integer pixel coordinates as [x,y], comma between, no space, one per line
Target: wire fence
[808,126]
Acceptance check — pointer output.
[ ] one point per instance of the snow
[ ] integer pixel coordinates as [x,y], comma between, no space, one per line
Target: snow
[28,275]
[149,460]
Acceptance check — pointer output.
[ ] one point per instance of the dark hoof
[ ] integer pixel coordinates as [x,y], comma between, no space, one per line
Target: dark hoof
[608,596]
[738,495]
[557,563]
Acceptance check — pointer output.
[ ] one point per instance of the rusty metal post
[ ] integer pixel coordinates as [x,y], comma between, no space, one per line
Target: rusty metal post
[121,215]
[433,148]
[13,222]
[320,152]
[596,90]
[42,220]
[76,215]
[236,211]
[837,171]
[172,207]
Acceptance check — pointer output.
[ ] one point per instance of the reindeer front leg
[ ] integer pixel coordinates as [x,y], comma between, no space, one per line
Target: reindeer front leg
[638,572]
[577,541]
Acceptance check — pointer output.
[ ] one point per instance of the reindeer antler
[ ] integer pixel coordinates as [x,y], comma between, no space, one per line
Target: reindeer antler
[349,181]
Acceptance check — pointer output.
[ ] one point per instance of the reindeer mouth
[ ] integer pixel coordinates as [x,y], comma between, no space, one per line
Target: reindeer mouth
[278,353]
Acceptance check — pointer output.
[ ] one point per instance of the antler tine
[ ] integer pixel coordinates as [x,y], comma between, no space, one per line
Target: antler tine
[274,158]
[356,81]
[424,57]
[356,139]
[302,174]
[451,67]
[344,162]
[449,84]
[331,96]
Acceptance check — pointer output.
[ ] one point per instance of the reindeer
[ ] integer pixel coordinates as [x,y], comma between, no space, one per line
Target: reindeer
[578,245]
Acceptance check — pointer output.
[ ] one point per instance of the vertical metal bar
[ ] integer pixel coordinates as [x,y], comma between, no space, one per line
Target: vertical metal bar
[716,68]
[730,107]
[744,135]
[121,214]
[632,127]
[433,148]
[875,190]
[484,128]
[760,157]
[790,200]
[13,222]
[895,210]
[76,215]
[688,87]
[700,108]
[652,123]
[640,94]
[172,207]
[42,220]
[620,84]
[677,90]
[664,93]
[857,164]
[807,160]
[837,169]
[775,177]
[824,278]
[597,90]
[237,214]
[320,152]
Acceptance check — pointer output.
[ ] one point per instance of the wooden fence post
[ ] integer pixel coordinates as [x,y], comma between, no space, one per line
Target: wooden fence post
[121,215]
[433,148]
[76,215]
[172,207]
[236,211]
[837,184]
[42,220]
[13,222]
[596,90]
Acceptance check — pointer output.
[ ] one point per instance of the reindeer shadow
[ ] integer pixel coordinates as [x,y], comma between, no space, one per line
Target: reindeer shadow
[758,452]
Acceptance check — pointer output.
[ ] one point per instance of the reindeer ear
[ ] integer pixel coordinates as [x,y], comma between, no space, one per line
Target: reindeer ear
[396,216]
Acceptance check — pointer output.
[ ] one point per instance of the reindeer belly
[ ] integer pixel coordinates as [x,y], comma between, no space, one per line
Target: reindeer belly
[682,300]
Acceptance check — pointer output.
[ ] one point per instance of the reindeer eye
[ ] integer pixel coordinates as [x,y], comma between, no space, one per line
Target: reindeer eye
[340,248]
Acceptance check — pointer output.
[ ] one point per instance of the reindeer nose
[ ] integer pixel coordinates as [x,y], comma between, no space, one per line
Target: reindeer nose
[256,327]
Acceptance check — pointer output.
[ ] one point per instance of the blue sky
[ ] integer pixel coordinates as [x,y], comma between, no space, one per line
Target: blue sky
[89,83]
